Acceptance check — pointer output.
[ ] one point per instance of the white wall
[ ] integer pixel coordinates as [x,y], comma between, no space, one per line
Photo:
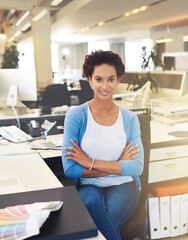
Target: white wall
[177,45]
[75,58]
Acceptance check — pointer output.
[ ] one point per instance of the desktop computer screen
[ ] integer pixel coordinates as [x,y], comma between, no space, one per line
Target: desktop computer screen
[173,81]
[25,80]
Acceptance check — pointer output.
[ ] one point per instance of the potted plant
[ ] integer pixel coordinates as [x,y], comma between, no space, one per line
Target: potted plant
[11,56]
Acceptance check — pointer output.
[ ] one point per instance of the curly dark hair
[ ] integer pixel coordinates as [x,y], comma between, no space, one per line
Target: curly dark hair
[99,57]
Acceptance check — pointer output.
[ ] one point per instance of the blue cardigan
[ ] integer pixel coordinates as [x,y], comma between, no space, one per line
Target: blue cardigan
[75,127]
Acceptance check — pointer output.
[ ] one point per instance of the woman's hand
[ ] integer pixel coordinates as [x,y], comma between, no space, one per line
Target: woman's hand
[78,155]
[129,152]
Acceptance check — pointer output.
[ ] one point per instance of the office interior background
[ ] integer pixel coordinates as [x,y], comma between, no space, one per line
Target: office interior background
[55,37]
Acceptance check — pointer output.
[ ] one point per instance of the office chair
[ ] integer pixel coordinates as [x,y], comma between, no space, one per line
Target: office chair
[136,226]
[86,92]
[56,95]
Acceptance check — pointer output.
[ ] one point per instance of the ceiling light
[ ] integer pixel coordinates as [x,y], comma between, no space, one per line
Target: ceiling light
[66,51]
[56,2]
[17,33]
[40,15]
[100,24]
[164,40]
[11,39]
[143,8]
[2,34]
[127,14]
[185,38]
[26,26]
[134,11]
[84,29]
[22,18]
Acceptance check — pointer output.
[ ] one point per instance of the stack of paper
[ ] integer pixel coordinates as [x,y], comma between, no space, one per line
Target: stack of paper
[23,221]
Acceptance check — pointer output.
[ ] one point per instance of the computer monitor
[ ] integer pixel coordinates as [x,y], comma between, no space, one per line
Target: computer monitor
[25,80]
[175,82]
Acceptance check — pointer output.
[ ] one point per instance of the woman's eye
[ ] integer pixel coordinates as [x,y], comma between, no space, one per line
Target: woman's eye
[98,79]
[111,79]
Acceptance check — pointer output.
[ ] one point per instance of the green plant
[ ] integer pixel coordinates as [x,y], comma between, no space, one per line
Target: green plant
[10,57]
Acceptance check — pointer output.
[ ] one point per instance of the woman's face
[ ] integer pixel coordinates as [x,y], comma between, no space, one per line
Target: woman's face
[104,81]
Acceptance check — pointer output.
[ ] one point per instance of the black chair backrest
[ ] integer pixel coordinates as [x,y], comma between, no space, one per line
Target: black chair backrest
[86,92]
[56,95]
[135,226]
[145,136]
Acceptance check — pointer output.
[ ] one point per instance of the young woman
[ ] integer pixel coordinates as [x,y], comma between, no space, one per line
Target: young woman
[102,148]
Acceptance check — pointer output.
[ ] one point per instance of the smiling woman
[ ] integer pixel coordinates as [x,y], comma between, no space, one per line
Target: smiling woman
[102,148]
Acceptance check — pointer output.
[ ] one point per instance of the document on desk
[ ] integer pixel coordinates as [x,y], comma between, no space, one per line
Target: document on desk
[23,221]
[10,182]
[47,144]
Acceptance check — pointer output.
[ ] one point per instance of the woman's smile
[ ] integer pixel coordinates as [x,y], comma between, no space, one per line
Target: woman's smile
[104,93]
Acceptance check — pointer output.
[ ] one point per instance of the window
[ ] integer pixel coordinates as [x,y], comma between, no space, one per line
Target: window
[133,52]
[92,46]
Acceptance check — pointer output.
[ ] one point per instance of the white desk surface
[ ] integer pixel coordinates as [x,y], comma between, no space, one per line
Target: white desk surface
[31,113]
[31,170]
[160,132]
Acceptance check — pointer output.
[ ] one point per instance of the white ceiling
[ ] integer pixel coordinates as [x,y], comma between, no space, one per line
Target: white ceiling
[78,14]
[134,26]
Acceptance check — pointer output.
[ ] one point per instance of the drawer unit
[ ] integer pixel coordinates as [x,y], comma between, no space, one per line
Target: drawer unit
[168,169]
[168,153]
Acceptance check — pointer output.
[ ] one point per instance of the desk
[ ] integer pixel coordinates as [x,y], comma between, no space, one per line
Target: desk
[32,171]
[32,114]
[25,148]
[36,175]
[71,222]
[136,109]
[169,154]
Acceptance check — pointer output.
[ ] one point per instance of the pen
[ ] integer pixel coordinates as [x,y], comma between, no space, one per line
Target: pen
[13,154]
[10,154]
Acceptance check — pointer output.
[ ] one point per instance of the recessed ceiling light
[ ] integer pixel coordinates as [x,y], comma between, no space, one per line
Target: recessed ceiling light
[17,33]
[40,15]
[185,38]
[26,26]
[22,18]
[2,36]
[164,40]
[56,2]
[101,23]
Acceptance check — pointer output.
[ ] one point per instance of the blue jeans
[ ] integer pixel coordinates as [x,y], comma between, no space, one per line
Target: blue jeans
[110,207]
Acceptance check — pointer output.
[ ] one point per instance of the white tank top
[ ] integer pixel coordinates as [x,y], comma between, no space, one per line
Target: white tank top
[105,143]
